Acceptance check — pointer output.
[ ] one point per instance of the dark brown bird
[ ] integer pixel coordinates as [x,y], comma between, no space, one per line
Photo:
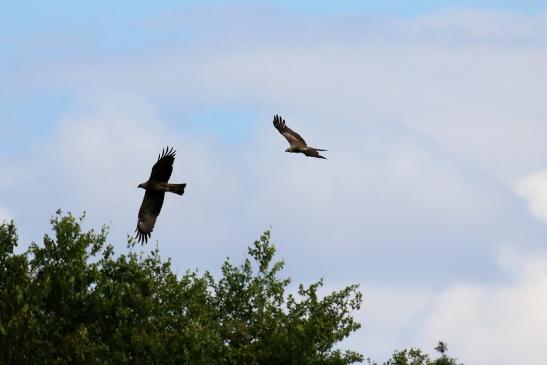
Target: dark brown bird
[297,143]
[155,187]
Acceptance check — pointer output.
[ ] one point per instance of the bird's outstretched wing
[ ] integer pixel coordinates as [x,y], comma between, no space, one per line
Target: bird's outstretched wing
[162,169]
[295,140]
[149,211]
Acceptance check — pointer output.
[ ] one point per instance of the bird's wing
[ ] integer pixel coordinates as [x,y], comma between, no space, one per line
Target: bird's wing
[295,140]
[162,169]
[149,211]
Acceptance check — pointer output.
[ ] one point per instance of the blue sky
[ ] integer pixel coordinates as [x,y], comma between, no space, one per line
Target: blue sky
[55,31]
[434,196]
[25,16]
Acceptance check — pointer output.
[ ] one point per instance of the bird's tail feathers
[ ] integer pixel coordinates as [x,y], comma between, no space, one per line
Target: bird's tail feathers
[176,188]
[319,149]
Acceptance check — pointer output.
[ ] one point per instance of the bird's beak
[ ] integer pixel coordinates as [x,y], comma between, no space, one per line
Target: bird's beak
[139,186]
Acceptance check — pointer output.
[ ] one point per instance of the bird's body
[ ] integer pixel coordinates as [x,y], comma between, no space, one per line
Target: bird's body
[296,142]
[156,187]
[162,186]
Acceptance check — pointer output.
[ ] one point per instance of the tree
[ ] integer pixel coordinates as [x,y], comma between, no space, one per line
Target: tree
[441,348]
[415,356]
[73,300]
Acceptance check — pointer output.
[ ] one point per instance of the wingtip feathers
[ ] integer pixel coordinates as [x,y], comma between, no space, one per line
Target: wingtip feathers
[142,237]
[278,121]
[167,152]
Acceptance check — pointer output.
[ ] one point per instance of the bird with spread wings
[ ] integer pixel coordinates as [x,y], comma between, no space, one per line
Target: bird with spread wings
[297,143]
[155,188]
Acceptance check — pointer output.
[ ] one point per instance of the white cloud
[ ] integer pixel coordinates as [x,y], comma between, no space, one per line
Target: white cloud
[389,318]
[393,176]
[422,137]
[104,146]
[482,101]
[5,214]
[533,188]
[496,324]
[500,323]
[470,25]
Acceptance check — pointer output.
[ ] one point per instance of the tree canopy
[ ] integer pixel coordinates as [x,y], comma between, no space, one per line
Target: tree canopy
[72,299]
[415,356]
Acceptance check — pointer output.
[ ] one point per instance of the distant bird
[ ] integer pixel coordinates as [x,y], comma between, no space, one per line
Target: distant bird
[155,187]
[297,143]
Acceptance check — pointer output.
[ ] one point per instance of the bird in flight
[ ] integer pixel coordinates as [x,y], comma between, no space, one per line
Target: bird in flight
[297,143]
[155,188]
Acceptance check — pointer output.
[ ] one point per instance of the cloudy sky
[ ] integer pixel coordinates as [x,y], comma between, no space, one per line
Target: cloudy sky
[434,194]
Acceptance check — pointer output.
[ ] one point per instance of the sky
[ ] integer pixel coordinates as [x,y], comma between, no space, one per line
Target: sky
[434,194]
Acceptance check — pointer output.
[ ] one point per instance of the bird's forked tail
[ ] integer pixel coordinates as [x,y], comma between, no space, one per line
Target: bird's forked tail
[176,188]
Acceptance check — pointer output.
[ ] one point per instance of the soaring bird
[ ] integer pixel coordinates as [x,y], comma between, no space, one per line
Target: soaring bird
[297,143]
[155,188]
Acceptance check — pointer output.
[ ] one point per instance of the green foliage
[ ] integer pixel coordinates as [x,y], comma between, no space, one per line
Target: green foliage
[73,300]
[416,356]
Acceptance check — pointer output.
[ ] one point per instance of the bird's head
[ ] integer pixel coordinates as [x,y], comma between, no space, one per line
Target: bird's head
[143,185]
